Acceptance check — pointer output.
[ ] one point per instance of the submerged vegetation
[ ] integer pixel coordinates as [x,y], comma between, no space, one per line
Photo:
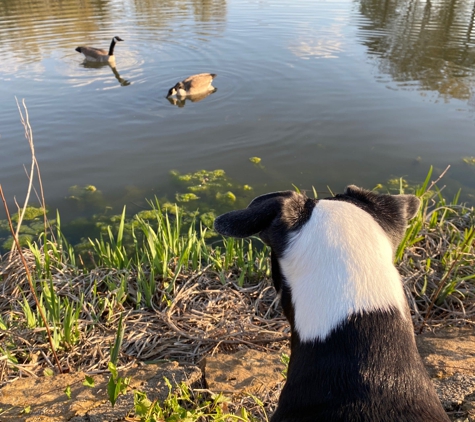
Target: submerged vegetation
[200,196]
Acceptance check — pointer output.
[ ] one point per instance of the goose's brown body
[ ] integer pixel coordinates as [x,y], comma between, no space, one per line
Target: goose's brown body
[193,85]
[93,54]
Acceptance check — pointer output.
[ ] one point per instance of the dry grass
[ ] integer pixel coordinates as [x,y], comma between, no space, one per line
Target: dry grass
[201,316]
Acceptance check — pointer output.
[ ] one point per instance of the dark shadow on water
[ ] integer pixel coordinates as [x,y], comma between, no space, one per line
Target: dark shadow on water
[93,65]
[180,102]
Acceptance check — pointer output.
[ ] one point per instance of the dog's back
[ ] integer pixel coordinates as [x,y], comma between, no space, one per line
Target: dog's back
[368,369]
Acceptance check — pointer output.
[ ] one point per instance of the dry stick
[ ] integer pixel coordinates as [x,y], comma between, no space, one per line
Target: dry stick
[41,198]
[29,137]
[438,179]
[43,203]
[30,282]
[32,146]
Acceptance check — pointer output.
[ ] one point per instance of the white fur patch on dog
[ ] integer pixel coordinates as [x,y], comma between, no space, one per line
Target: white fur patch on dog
[340,263]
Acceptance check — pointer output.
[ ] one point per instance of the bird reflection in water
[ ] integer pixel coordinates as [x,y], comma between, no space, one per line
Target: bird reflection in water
[180,101]
[93,65]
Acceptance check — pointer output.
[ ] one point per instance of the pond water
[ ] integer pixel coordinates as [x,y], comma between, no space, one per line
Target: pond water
[326,93]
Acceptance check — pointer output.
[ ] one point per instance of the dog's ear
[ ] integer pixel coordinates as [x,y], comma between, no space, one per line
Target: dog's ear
[409,203]
[405,205]
[255,218]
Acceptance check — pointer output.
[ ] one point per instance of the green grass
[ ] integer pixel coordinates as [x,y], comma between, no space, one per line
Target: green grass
[184,404]
[443,234]
[164,246]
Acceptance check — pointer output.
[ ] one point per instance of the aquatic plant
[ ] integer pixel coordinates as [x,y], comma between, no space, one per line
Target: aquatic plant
[255,160]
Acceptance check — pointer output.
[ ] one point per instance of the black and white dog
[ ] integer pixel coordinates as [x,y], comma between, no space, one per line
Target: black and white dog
[353,352]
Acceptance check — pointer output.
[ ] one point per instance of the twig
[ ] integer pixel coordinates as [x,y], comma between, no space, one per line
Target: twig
[40,182]
[29,137]
[41,199]
[30,281]
[433,183]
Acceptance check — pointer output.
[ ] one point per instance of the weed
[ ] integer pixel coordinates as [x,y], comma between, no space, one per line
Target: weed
[285,359]
[112,253]
[116,385]
[186,405]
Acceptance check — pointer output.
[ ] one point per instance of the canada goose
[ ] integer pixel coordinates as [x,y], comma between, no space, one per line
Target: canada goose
[97,54]
[193,85]
[180,101]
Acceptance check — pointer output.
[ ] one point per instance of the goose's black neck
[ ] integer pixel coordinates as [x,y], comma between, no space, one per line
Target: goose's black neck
[111,48]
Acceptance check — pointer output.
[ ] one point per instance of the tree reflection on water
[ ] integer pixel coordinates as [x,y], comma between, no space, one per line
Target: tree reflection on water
[430,42]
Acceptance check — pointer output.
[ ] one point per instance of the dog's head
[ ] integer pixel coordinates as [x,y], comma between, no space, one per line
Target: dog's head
[275,216]
[330,257]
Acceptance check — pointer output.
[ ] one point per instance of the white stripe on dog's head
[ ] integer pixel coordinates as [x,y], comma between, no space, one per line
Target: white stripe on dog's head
[340,263]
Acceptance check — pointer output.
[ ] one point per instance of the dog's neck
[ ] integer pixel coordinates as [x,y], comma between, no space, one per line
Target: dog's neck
[339,264]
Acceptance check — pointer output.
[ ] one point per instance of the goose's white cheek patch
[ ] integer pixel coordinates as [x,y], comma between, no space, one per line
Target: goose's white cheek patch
[338,264]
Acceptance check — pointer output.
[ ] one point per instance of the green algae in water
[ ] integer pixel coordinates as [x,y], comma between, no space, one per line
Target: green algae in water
[86,195]
[198,188]
[186,197]
[169,208]
[255,160]
[398,182]
[207,183]
[147,215]
[469,160]
[115,218]
[30,213]
[200,177]
[210,190]
[24,229]
[199,197]
[4,226]
[208,218]
[396,186]
[23,239]
[227,197]
[39,226]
